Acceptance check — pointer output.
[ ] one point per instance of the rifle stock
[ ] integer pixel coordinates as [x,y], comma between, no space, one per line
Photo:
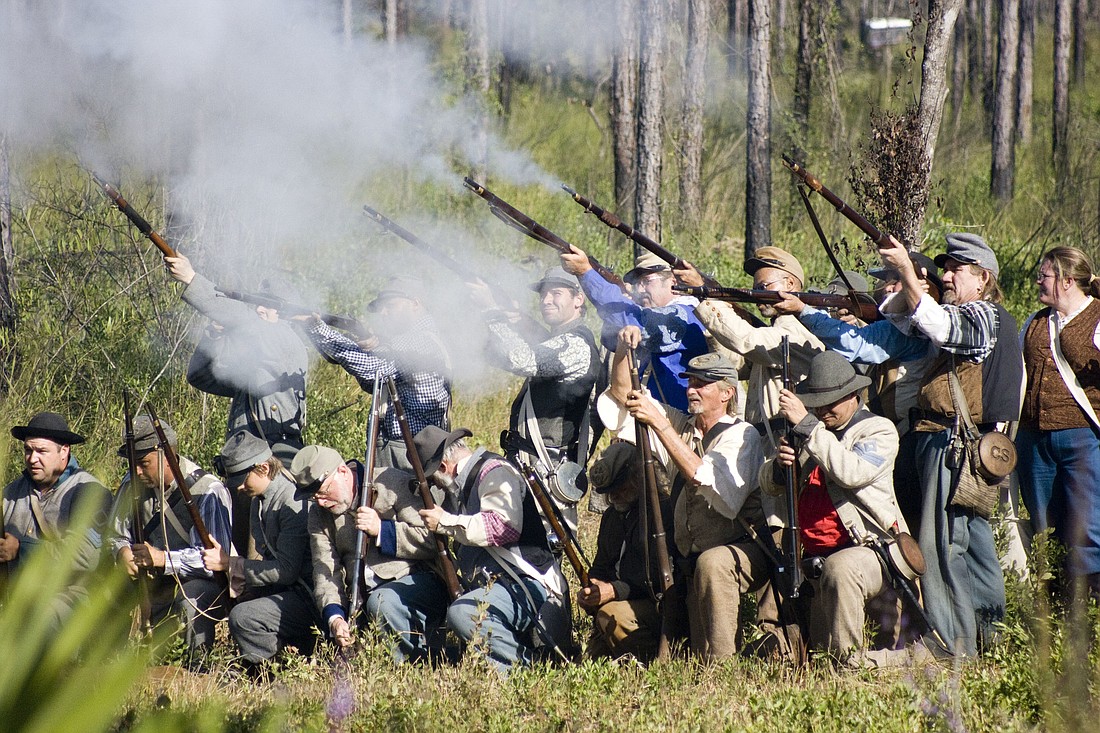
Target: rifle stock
[674,261]
[135,218]
[446,564]
[519,221]
[867,309]
[874,233]
[173,462]
[569,541]
[366,498]
[651,503]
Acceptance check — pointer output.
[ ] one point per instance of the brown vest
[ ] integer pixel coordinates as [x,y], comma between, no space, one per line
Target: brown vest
[1048,404]
[935,392]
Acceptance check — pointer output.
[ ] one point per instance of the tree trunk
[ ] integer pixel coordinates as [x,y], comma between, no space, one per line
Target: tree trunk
[1002,169]
[974,68]
[1060,134]
[942,15]
[758,172]
[986,7]
[691,146]
[624,101]
[477,84]
[1080,39]
[346,18]
[735,36]
[389,21]
[780,28]
[651,87]
[7,248]
[958,71]
[808,43]
[1025,65]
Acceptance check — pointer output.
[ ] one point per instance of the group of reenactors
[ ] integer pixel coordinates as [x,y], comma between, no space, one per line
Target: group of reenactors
[831,497]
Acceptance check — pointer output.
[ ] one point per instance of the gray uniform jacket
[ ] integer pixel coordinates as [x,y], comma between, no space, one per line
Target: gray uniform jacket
[858,463]
[278,527]
[56,506]
[259,364]
[332,540]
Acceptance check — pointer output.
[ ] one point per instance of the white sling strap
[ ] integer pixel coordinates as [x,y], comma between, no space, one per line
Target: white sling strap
[1064,369]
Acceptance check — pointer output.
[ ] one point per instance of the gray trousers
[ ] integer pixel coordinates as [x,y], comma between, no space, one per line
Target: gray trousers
[262,626]
[199,606]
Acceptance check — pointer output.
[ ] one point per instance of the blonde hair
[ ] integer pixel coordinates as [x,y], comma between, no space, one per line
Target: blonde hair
[1075,264]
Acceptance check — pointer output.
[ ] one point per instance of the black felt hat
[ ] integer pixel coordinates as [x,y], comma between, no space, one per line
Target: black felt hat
[432,442]
[47,425]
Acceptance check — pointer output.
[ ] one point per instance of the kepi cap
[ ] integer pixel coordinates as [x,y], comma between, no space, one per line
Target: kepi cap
[859,283]
[311,467]
[557,277]
[711,367]
[50,425]
[145,437]
[777,258]
[971,249]
[240,453]
[399,287]
[644,264]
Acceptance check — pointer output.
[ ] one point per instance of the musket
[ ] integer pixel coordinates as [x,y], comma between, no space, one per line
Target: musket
[446,565]
[173,462]
[344,323]
[463,272]
[791,558]
[874,233]
[650,502]
[366,497]
[519,221]
[863,305]
[143,226]
[828,249]
[572,548]
[136,520]
[673,260]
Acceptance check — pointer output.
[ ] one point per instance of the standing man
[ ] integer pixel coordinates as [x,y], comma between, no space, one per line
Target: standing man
[273,590]
[619,596]
[517,601]
[976,340]
[846,462]
[172,553]
[257,360]
[671,333]
[39,506]
[549,417]
[713,457]
[403,595]
[409,349]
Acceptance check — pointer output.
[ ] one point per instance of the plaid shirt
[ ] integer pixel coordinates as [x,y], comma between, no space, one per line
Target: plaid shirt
[416,360]
[968,331]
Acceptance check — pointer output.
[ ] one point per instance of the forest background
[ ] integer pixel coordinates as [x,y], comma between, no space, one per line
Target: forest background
[672,113]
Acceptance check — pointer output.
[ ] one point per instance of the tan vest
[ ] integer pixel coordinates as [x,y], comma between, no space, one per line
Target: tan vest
[1048,404]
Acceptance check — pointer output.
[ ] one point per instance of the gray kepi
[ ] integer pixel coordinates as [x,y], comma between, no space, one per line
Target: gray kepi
[832,377]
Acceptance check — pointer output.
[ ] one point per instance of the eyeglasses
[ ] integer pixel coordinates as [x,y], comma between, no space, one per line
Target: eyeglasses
[1043,276]
[765,286]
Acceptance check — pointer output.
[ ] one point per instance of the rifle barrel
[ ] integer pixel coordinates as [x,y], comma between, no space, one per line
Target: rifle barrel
[572,550]
[465,273]
[867,308]
[876,235]
[366,498]
[446,565]
[791,489]
[135,218]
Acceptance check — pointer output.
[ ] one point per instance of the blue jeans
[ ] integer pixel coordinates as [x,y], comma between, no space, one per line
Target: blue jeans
[964,587]
[1059,472]
[410,610]
[498,619]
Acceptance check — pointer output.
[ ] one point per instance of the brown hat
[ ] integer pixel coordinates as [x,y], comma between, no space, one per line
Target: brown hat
[48,425]
[431,443]
[777,258]
[145,436]
[644,264]
[311,466]
[612,467]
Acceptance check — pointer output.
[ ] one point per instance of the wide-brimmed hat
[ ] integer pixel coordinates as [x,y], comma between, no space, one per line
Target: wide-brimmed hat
[644,264]
[612,467]
[145,436]
[971,249]
[711,367]
[556,277]
[779,259]
[832,377]
[311,466]
[49,425]
[431,443]
[409,288]
[239,455]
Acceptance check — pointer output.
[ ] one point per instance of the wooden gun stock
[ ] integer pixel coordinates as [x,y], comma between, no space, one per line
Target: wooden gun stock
[874,233]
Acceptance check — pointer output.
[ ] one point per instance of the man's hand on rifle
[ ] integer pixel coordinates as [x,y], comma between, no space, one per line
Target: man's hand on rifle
[481,295]
[367,520]
[788,304]
[643,409]
[791,407]
[595,594]
[431,517]
[896,256]
[216,559]
[146,556]
[341,631]
[630,337]
[179,267]
[689,275]
[125,558]
[785,455]
[575,261]
[9,547]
